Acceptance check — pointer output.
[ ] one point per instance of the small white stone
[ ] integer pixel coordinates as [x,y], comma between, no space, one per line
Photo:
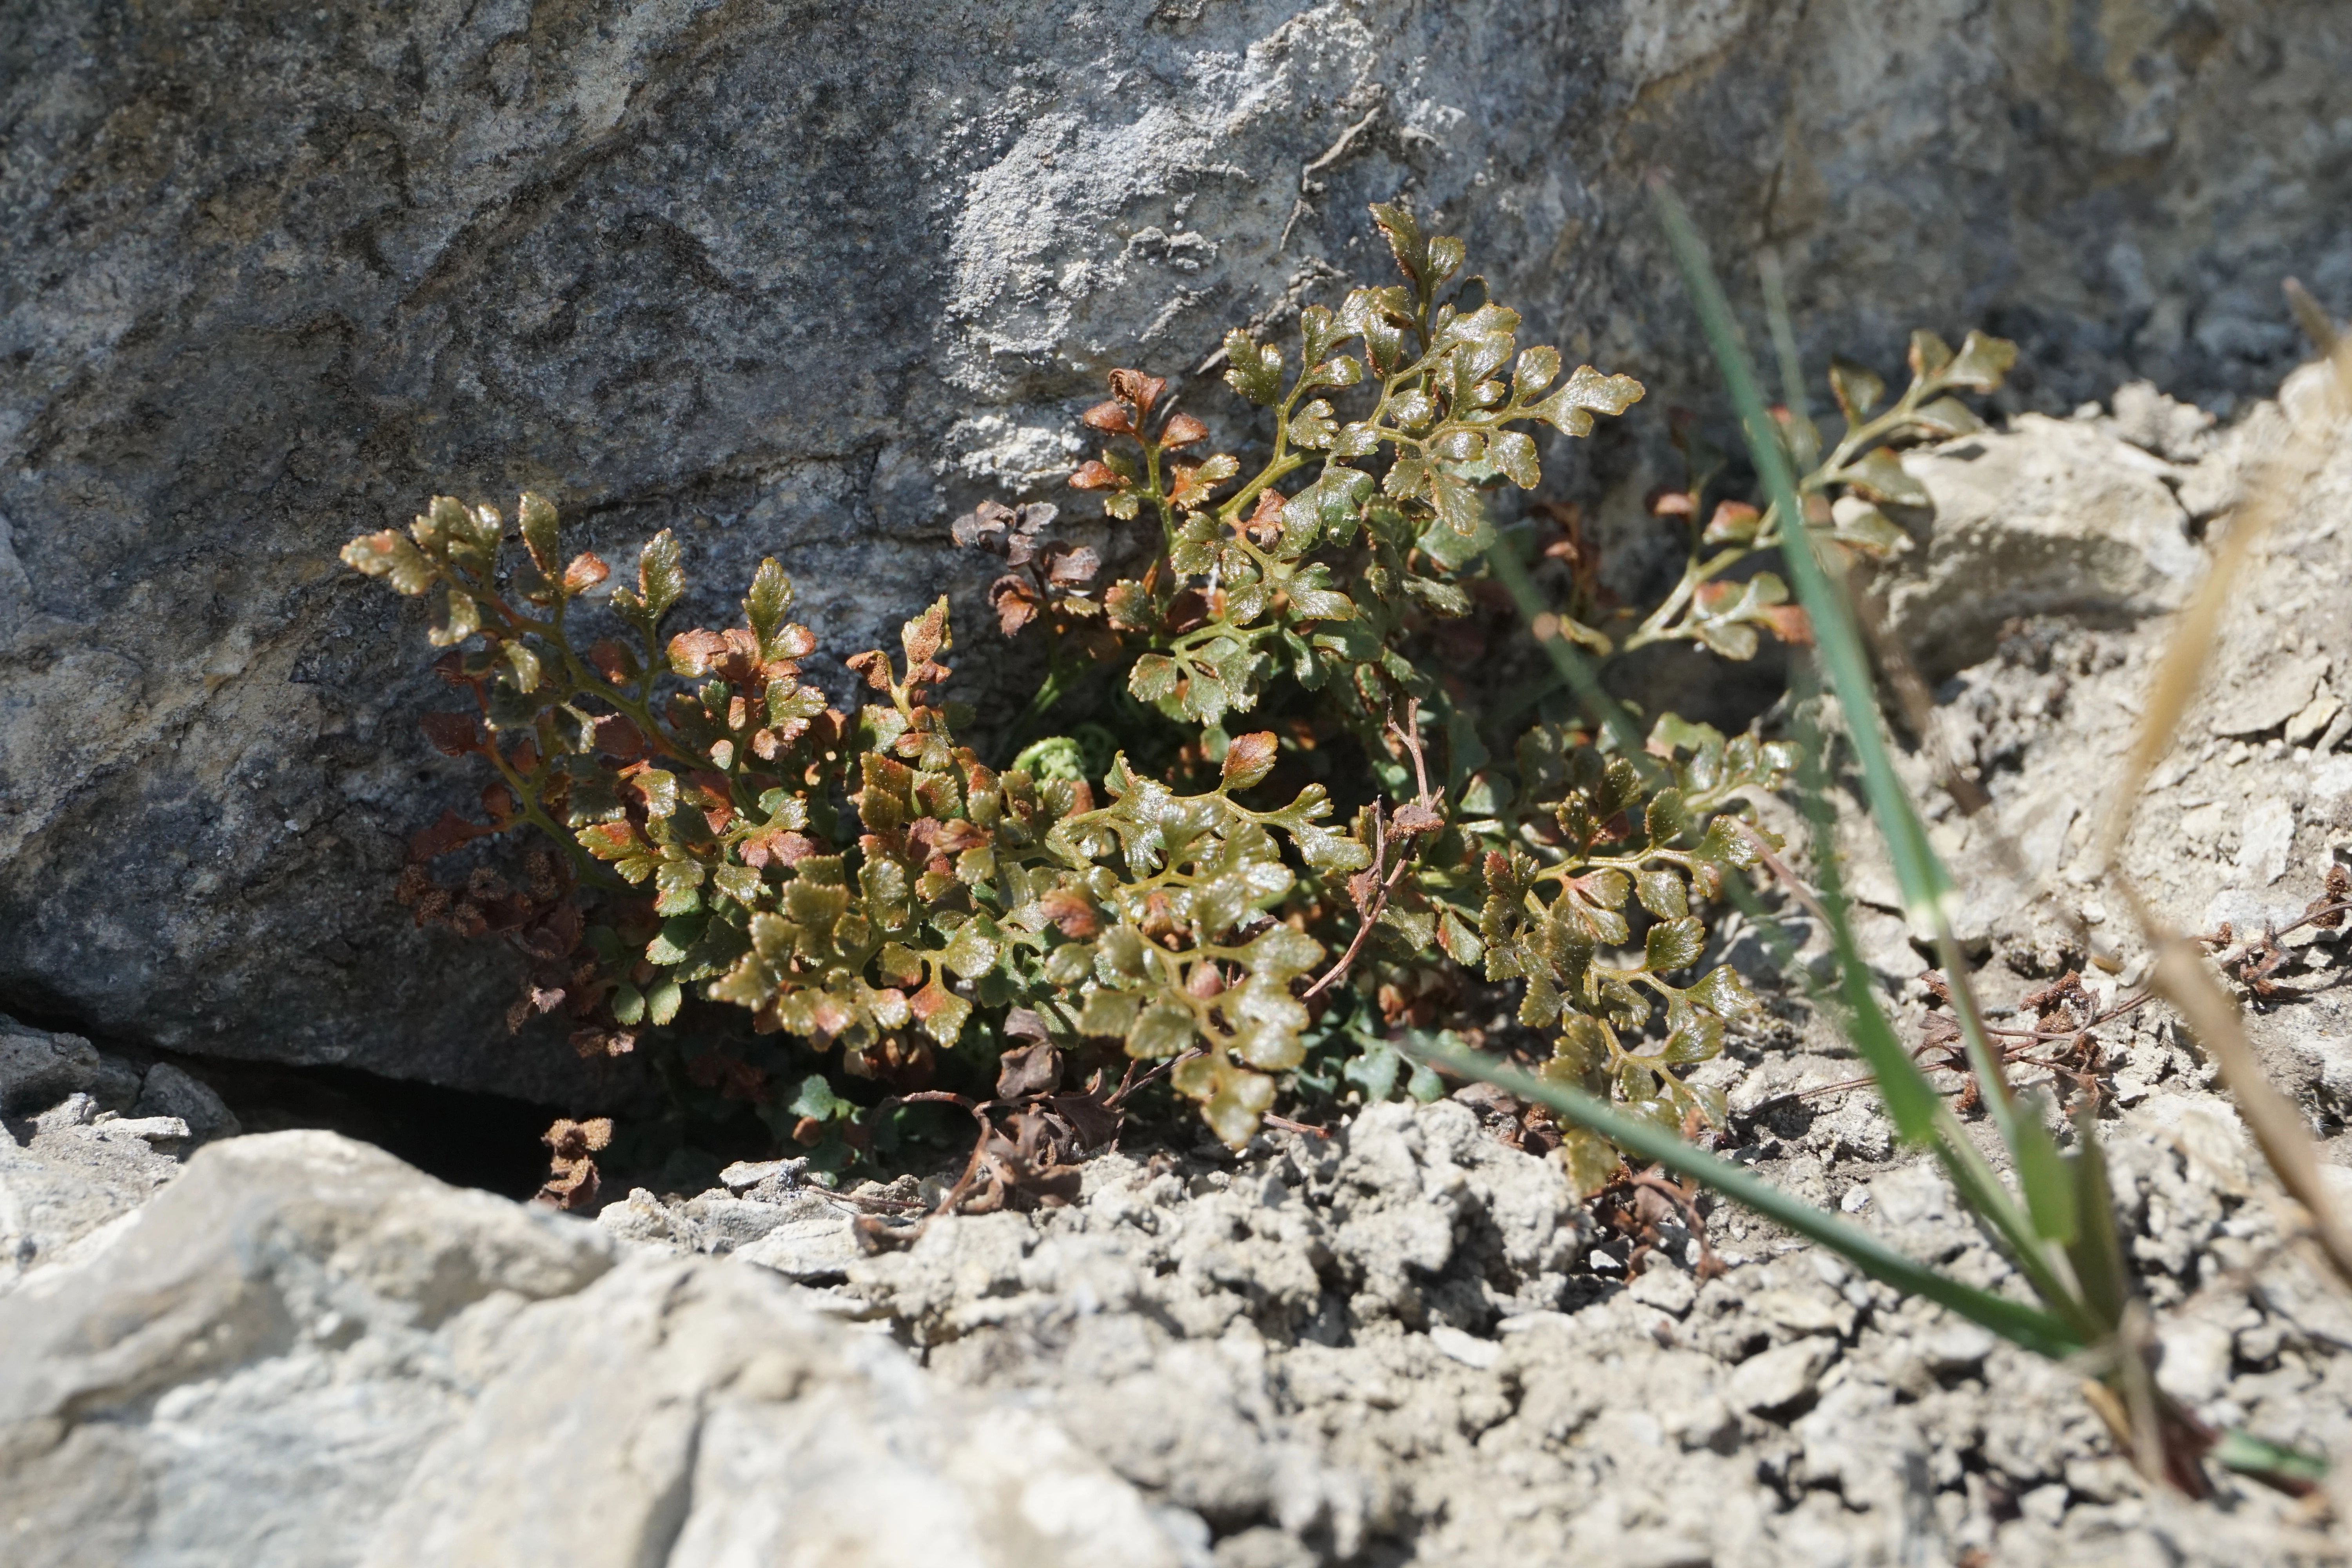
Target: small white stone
[744,1174]
[1803,1311]
[1779,1377]
[2195,1367]
[2044,1505]
[2266,841]
[1958,1346]
[2332,778]
[2206,823]
[1467,1349]
[818,1247]
[1667,1288]
[2309,724]
[1856,1199]
[153,1129]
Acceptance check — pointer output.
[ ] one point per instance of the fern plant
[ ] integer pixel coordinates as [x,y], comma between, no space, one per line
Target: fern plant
[870,887]
[862,884]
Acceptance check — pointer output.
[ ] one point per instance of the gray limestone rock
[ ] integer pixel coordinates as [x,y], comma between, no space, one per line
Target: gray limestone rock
[41,1068]
[38,1069]
[807,280]
[169,1090]
[804,1234]
[67,1188]
[1779,1377]
[305,1354]
[2265,698]
[1787,1412]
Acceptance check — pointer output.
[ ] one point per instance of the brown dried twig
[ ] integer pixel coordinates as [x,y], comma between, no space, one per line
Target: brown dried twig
[1049,1126]
[1370,888]
[1288,1125]
[1636,1202]
[2278,1127]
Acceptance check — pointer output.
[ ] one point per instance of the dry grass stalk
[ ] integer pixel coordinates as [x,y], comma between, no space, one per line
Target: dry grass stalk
[2211,1014]
[2181,974]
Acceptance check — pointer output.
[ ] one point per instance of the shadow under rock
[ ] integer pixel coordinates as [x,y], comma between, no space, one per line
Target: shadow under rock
[464,1137]
[461,1136]
[1681,677]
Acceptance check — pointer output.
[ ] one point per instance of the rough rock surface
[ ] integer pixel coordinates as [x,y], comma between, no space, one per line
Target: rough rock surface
[2047,516]
[38,1069]
[85,1140]
[305,1354]
[802,280]
[1396,1346]
[2240,821]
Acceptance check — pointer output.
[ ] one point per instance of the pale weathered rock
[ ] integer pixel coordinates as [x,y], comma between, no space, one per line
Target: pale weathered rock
[2269,697]
[806,284]
[402,1407]
[1777,1378]
[803,1234]
[74,1168]
[2050,515]
[1658,1422]
[305,1353]
[149,1129]
[66,1190]
[2265,842]
[2165,425]
[696,1415]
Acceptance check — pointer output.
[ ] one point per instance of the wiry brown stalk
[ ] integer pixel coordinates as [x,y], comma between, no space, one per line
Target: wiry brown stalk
[1781,868]
[1372,888]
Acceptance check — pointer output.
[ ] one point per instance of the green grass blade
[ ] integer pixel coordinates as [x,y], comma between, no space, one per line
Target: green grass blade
[1784,339]
[1919,1113]
[1927,887]
[1835,638]
[2044,1175]
[1911,1100]
[1978,1186]
[2027,1326]
[2275,1462]
[2097,1253]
